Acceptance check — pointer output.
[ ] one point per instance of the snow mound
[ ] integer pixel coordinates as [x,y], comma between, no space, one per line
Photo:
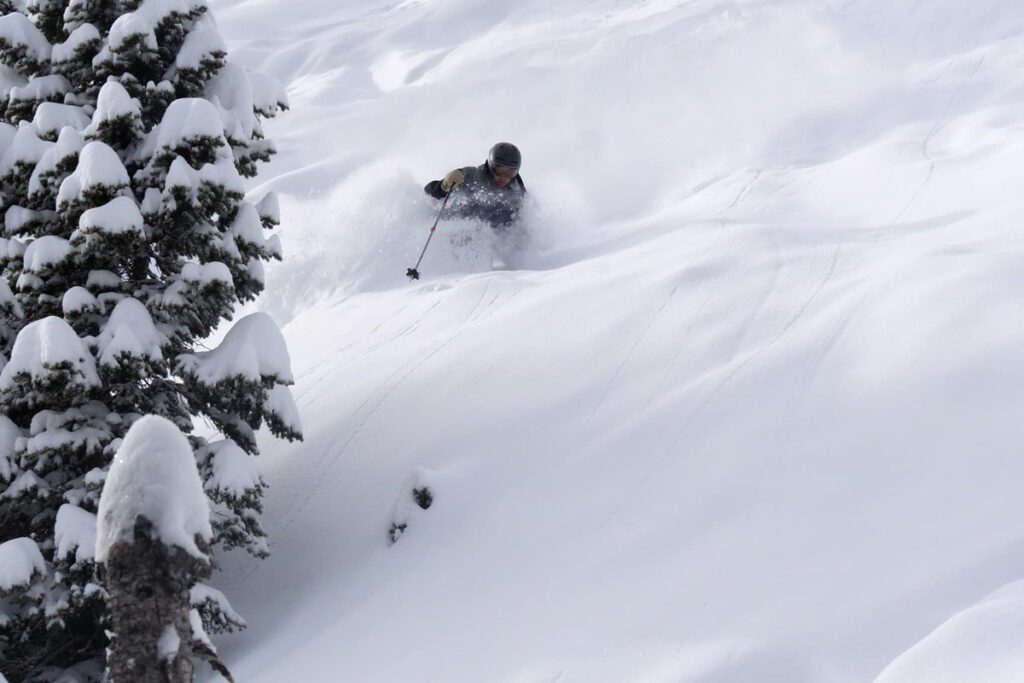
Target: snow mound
[154,476]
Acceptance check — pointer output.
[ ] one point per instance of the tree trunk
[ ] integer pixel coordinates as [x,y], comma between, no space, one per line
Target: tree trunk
[148,585]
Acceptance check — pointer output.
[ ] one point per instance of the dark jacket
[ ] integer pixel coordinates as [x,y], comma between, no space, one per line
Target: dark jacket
[480,197]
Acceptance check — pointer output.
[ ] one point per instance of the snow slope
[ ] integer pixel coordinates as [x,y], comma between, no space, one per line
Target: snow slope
[750,410]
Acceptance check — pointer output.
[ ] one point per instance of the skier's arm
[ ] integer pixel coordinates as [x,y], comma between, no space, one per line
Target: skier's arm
[433,188]
[440,188]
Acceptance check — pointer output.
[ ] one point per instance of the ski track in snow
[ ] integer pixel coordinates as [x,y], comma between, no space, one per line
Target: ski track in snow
[936,128]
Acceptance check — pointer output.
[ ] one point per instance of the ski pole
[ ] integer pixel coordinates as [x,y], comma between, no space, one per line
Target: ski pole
[413,273]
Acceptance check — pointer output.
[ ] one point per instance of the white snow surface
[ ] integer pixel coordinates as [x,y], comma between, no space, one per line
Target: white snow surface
[20,559]
[985,642]
[153,475]
[750,409]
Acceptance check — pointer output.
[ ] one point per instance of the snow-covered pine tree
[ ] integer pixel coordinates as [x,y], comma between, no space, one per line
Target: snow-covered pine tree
[125,136]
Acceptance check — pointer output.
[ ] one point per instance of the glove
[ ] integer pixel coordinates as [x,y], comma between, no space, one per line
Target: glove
[453,180]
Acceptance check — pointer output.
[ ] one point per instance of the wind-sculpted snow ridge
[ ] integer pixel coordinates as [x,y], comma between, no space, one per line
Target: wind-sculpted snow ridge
[982,643]
[750,410]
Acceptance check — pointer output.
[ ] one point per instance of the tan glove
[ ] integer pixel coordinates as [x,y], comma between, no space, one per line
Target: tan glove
[453,180]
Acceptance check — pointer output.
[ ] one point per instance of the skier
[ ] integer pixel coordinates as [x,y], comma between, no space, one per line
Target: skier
[492,192]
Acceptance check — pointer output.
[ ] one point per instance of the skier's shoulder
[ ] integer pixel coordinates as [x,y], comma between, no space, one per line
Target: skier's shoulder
[475,173]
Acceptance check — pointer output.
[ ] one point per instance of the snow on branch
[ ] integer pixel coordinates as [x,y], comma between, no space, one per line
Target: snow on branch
[9,435]
[98,166]
[80,37]
[199,47]
[188,119]
[119,215]
[75,533]
[69,144]
[268,94]
[130,28]
[52,117]
[269,209]
[24,151]
[217,614]
[282,413]
[233,472]
[47,352]
[253,349]
[113,104]
[78,300]
[22,44]
[20,562]
[154,476]
[129,331]
[45,253]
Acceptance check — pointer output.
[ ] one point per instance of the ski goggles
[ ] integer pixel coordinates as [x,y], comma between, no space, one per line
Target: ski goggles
[507,172]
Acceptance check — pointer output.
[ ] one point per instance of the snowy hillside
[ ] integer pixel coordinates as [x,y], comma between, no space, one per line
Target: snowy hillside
[750,411]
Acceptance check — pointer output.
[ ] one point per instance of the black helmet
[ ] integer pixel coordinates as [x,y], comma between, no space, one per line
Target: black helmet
[505,154]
